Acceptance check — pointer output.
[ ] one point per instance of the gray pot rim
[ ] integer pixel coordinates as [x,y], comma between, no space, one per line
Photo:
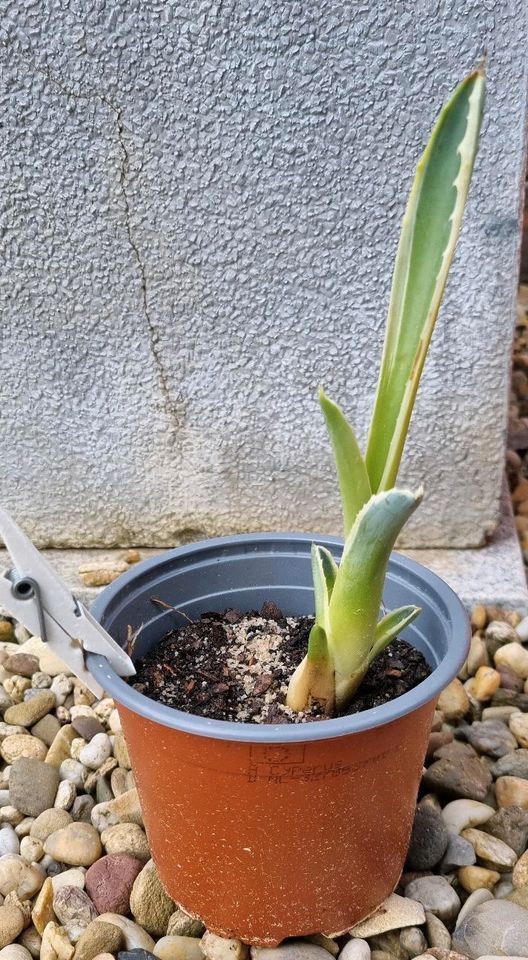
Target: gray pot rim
[400,568]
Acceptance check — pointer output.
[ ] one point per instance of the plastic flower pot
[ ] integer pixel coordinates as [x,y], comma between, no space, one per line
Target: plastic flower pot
[274,831]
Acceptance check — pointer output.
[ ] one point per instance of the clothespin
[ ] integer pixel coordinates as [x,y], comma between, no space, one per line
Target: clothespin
[33,593]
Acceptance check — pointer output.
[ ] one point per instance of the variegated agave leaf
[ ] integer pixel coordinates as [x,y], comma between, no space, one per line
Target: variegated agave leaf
[429,234]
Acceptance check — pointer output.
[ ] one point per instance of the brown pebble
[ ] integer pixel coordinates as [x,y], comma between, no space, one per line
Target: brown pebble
[25,664]
[87,727]
[509,679]
[109,882]
[99,937]
[479,617]
[270,611]
[437,740]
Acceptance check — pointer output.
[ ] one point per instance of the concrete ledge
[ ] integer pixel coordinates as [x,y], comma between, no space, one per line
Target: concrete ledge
[493,574]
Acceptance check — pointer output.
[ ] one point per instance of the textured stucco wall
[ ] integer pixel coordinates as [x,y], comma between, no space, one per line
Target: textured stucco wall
[200,207]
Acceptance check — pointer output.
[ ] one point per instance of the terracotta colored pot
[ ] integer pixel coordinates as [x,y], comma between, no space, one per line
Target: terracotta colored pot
[267,832]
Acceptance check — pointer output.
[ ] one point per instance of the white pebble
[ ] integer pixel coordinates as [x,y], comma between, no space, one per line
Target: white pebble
[114,722]
[4,798]
[24,826]
[515,656]
[61,686]
[355,949]
[460,814]
[69,878]
[75,748]
[522,629]
[15,951]
[94,754]
[73,771]
[41,681]
[65,796]
[9,842]
[31,849]
[81,710]
[104,708]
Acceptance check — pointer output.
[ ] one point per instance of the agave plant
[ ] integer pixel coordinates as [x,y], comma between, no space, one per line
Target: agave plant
[347,634]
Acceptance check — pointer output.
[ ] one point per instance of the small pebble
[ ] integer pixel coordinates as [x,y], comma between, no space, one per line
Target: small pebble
[12,923]
[477,878]
[18,875]
[188,948]
[485,683]
[77,844]
[109,882]
[74,909]
[182,925]
[73,771]
[22,745]
[32,786]
[491,737]
[413,941]
[453,701]
[429,839]
[30,711]
[501,632]
[460,814]
[436,895]
[510,824]
[48,822]
[220,948]
[355,949]
[394,913]
[512,792]
[519,728]
[32,850]
[9,842]
[133,935]
[437,933]
[493,927]
[150,905]
[99,937]
[65,796]
[493,852]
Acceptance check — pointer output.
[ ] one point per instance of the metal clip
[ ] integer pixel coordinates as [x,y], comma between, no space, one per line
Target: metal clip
[32,592]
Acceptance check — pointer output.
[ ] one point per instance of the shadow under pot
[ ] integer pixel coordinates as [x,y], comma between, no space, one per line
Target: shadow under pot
[274,831]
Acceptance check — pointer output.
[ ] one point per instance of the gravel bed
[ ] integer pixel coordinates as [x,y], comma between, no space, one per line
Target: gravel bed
[77,881]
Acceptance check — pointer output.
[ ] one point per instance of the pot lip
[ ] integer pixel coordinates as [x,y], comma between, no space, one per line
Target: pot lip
[400,568]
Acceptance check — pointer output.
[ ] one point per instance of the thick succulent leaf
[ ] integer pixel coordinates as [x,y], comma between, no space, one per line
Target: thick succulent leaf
[321,591]
[328,565]
[352,475]
[356,597]
[429,234]
[390,626]
[313,682]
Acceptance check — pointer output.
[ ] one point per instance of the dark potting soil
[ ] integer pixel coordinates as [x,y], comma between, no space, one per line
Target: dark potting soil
[234,666]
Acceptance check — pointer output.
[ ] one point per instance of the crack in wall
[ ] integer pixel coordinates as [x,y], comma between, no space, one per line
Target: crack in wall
[170,405]
[172,408]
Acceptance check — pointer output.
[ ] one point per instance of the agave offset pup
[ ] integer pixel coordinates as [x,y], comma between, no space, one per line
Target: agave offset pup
[347,634]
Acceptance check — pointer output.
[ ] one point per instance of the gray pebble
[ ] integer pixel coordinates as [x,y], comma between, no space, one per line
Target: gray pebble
[497,927]
[436,895]
[491,737]
[355,949]
[437,933]
[459,853]
[514,764]
[474,900]
[429,838]
[413,941]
